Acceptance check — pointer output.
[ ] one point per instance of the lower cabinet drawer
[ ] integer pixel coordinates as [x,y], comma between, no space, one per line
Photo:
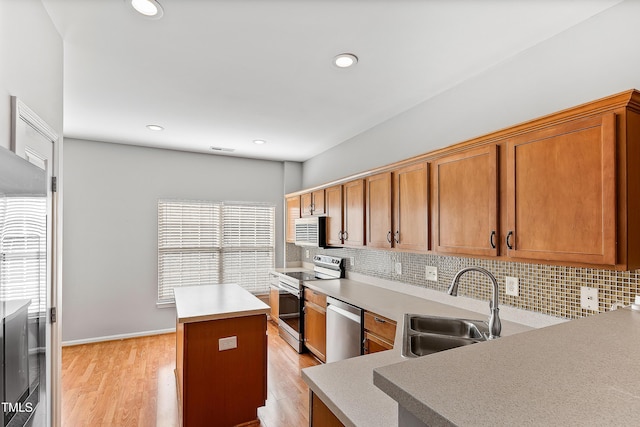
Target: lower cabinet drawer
[315,297]
[380,326]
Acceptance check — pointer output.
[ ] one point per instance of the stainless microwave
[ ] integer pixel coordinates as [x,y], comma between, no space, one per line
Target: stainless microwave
[311,231]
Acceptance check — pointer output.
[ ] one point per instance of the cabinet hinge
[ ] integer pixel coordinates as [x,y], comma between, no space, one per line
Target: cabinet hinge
[53,314]
[54,184]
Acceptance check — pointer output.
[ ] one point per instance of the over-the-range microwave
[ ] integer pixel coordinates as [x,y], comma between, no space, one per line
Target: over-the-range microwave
[311,231]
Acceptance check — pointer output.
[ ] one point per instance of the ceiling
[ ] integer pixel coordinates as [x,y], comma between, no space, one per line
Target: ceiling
[222,73]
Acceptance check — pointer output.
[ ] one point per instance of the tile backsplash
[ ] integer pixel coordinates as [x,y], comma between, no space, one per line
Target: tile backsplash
[547,289]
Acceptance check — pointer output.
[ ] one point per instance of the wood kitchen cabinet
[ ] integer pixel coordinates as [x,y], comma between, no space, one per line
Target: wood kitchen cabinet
[378,209]
[333,207]
[221,355]
[320,415]
[465,201]
[397,209]
[315,323]
[312,203]
[293,212]
[274,296]
[561,192]
[563,188]
[344,206]
[353,216]
[379,333]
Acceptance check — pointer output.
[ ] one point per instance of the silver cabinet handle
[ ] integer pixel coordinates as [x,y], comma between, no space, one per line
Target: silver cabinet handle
[345,235]
[389,236]
[396,236]
[377,319]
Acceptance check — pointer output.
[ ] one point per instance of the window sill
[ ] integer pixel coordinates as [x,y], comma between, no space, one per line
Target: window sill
[165,304]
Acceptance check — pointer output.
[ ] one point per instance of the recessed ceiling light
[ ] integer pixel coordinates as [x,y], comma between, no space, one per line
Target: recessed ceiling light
[259,141]
[148,8]
[155,127]
[345,60]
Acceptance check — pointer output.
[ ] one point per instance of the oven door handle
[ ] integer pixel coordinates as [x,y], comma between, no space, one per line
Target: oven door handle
[289,289]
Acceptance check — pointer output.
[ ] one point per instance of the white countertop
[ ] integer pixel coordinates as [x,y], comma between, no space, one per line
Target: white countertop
[347,387]
[579,373]
[212,302]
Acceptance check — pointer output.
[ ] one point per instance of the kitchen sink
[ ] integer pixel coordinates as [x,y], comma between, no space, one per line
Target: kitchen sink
[424,335]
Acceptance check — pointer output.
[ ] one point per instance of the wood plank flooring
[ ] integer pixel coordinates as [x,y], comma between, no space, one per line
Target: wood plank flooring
[131,383]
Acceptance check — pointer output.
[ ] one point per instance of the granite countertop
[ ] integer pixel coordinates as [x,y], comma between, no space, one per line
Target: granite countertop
[347,387]
[583,372]
[213,302]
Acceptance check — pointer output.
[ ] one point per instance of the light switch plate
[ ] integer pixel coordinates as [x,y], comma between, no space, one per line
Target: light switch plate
[431,273]
[589,298]
[227,343]
[352,261]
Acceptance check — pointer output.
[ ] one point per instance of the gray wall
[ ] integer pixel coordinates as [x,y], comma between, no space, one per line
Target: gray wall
[594,59]
[30,63]
[110,223]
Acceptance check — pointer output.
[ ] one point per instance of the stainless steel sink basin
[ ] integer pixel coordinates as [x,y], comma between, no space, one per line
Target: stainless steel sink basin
[424,335]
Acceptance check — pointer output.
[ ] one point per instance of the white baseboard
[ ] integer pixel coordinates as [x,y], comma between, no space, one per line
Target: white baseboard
[117,337]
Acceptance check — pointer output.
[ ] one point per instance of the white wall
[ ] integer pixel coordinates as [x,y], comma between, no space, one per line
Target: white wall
[30,63]
[592,60]
[110,223]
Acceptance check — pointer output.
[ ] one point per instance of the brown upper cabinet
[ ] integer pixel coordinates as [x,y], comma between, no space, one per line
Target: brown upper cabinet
[562,189]
[465,200]
[397,209]
[312,203]
[561,192]
[344,206]
[293,212]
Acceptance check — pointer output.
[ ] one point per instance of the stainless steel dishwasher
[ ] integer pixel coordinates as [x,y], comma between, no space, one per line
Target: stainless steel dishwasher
[344,330]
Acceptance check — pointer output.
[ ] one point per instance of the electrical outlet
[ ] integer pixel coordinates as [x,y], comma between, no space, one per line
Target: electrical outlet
[511,286]
[352,261]
[227,343]
[431,273]
[398,268]
[589,298]
[306,253]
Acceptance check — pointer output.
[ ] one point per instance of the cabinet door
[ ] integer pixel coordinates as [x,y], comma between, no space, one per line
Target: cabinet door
[466,202]
[333,207]
[379,234]
[293,212]
[306,204]
[315,329]
[354,233]
[317,202]
[411,207]
[374,344]
[561,192]
[274,300]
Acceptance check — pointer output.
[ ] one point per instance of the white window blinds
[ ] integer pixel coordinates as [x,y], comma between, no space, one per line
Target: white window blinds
[211,242]
[23,248]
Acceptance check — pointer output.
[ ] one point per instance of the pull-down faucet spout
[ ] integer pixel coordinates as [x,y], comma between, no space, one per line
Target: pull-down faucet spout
[494,320]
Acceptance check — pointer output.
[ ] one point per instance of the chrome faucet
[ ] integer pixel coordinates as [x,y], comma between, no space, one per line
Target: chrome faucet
[494,320]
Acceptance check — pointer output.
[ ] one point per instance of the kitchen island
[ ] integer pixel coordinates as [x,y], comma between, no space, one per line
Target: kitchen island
[221,355]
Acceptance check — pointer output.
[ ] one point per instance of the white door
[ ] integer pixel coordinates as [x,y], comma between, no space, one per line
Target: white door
[34,140]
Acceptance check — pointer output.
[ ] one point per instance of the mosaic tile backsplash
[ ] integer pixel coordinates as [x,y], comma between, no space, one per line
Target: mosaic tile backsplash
[547,289]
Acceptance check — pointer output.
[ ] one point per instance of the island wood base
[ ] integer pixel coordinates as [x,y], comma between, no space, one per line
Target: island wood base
[221,387]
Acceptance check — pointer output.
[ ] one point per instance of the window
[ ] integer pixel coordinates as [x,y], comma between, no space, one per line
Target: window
[202,243]
[23,248]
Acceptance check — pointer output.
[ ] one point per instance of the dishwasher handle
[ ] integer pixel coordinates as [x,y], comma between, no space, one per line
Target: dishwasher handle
[344,309]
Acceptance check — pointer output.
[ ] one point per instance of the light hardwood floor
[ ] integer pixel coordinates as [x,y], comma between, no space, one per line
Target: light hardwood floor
[131,383]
